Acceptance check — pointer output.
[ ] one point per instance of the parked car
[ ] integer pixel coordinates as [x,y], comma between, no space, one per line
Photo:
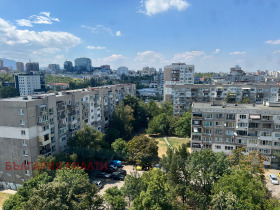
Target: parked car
[139,168]
[108,170]
[98,183]
[273,179]
[117,176]
[122,172]
[279,174]
[116,163]
[113,167]
[103,175]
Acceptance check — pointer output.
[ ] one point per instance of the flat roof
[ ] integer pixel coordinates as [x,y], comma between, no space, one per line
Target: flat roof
[239,106]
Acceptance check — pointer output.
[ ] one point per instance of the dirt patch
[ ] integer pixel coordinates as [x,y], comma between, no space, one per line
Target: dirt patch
[275,189]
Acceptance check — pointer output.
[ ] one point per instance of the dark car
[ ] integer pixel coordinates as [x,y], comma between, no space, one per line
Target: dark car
[122,172]
[117,176]
[103,175]
[108,170]
[113,167]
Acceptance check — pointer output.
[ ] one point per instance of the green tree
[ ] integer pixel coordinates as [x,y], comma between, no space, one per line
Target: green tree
[88,143]
[156,192]
[152,109]
[224,201]
[143,150]
[175,164]
[115,198]
[167,107]
[248,190]
[112,133]
[245,100]
[133,185]
[45,165]
[8,92]
[120,148]
[162,124]
[205,168]
[184,125]
[122,120]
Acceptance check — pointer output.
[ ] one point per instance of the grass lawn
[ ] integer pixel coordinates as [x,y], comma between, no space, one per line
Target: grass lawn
[3,197]
[162,147]
[175,142]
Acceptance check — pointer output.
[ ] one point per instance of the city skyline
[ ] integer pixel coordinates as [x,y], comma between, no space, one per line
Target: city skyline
[213,36]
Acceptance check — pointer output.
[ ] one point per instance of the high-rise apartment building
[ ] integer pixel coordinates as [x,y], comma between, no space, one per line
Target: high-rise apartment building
[122,70]
[32,66]
[82,64]
[19,66]
[177,73]
[54,67]
[41,125]
[29,84]
[224,127]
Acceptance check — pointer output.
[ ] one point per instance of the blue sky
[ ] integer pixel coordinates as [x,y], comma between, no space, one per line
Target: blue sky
[214,35]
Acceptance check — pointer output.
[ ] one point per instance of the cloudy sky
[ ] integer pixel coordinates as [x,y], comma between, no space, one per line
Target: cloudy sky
[214,35]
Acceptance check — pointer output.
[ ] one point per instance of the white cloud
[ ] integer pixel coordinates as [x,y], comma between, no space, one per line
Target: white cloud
[217,51]
[237,53]
[156,6]
[118,33]
[90,47]
[42,18]
[274,42]
[27,44]
[276,52]
[113,58]
[187,56]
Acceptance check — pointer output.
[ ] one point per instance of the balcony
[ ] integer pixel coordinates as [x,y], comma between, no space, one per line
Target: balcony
[45,152]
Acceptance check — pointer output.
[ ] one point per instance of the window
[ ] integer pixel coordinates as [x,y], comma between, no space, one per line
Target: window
[21,122]
[266,125]
[218,132]
[266,117]
[218,139]
[208,116]
[228,148]
[230,124]
[263,142]
[242,133]
[277,135]
[24,143]
[25,153]
[253,141]
[230,116]
[26,162]
[21,112]
[253,125]
[207,131]
[229,133]
[219,115]
[207,123]
[51,111]
[22,132]
[242,116]
[27,172]
[242,125]
[217,147]
[265,133]
[219,123]
[229,140]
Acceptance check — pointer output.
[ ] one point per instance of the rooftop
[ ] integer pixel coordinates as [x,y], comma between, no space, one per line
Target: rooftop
[238,106]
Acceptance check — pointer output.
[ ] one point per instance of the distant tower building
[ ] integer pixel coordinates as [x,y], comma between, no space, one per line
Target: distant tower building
[82,64]
[54,67]
[68,66]
[1,63]
[34,66]
[122,70]
[20,66]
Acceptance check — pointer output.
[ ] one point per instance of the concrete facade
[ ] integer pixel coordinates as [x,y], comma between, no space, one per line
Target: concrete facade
[41,125]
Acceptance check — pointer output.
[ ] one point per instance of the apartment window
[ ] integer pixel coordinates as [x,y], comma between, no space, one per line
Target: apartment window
[208,116]
[228,148]
[53,148]
[263,142]
[51,120]
[218,147]
[25,153]
[265,151]
[277,135]
[26,162]
[27,172]
[229,140]
[230,124]
[196,122]
[254,125]
[219,115]
[266,117]
[265,133]
[253,141]
[207,138]
[242,133]
[241,141]
[21,112]
[218,139]
[229,133]
[21,122]
[22,132]
[24,143]
[242,116]
[46,127]
[207,131]
[218,132]
[242,125]
[230,116]
[219,123]
[207,123]
[51,111]
[266,125]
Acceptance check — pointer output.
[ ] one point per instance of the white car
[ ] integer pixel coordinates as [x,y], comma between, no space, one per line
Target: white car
[273,179]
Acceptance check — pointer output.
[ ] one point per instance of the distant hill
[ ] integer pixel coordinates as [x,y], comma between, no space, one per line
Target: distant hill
[8,62]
